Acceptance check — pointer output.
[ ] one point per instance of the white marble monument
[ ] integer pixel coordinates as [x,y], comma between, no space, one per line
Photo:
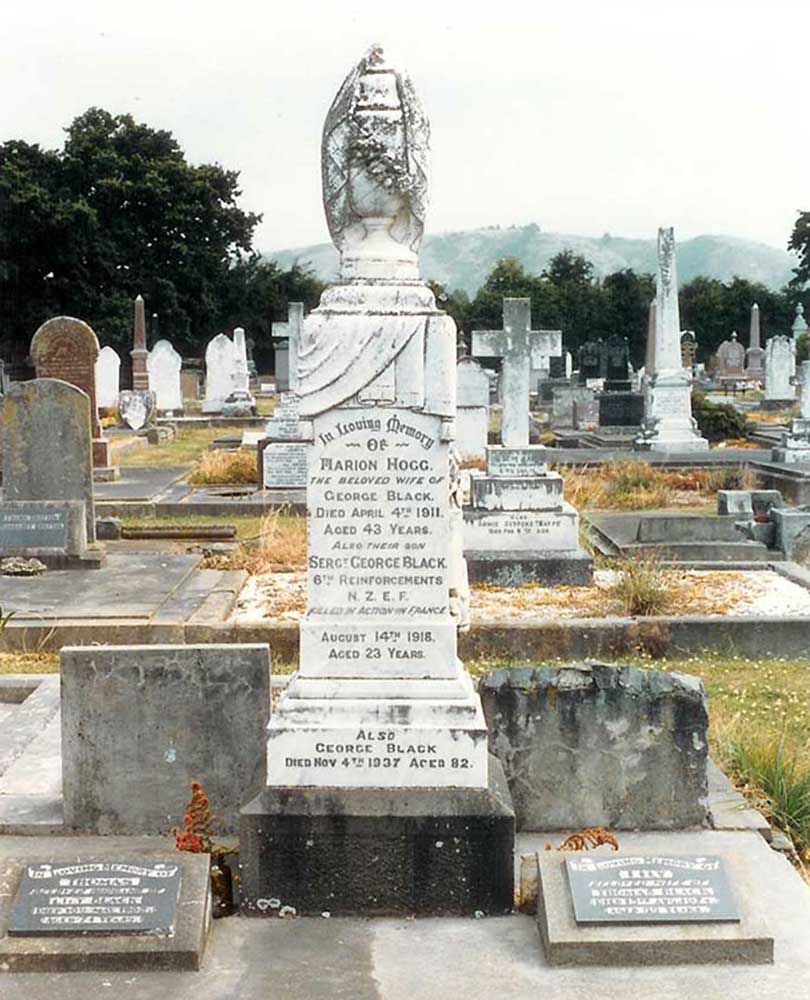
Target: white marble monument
[780,363]
[108,370]
[218,373]
[284,455]
[794,447]
[240,402]
[472,410]
[163,366]
[669,425]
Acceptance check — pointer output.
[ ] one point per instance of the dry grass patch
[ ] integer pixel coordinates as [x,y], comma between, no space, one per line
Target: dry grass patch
[228,468]
[187,448]
[280,546]
[29,663]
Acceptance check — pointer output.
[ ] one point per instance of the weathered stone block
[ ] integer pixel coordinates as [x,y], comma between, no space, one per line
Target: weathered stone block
[597,745]
[139,723]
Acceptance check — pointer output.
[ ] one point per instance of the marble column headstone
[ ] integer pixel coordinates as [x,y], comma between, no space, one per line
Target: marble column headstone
[754,356]
[669,425]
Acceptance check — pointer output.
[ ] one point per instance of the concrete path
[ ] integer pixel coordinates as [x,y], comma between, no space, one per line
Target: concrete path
[437,959]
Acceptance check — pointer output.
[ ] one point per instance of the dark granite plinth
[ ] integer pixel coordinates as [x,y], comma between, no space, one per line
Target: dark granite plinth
[621,409]
[365,851]
[514,567]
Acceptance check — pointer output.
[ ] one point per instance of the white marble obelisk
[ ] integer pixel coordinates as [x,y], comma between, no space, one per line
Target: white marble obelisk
[668,425]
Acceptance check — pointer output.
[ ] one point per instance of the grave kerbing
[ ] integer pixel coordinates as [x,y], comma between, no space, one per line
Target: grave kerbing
[381,796]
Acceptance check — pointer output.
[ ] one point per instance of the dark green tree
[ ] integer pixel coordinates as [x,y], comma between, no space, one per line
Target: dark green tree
[624,309]
[118,211]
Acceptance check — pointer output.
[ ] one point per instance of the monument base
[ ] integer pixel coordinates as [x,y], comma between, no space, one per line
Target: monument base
[366,851]
[94,557]
[515,567]
[106,474]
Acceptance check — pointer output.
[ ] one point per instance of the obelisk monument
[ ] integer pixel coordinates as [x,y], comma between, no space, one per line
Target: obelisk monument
[668,424]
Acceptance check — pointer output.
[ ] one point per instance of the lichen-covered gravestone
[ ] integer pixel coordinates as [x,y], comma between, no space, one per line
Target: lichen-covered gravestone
[66,348]
[598,745]
[47,507]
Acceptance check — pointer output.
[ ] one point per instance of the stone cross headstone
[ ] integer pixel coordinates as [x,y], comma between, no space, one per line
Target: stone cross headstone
[139,353]
[163,366]
[779,364]
[108,368]
[378,664]
[66,348]
[47,454]
[287,378]
[668,424]
[731,359]
[472,410]
[688,349]
[218,373]
[518,347]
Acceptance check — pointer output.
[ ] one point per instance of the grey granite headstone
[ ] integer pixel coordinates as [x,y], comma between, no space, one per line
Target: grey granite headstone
[139,723]
[598,745]
[646,889]
[102,897]
[47,453]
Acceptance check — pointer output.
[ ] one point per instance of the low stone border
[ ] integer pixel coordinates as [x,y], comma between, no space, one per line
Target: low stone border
[539,640]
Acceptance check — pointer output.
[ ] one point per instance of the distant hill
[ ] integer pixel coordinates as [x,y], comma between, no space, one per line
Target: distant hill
[462,260]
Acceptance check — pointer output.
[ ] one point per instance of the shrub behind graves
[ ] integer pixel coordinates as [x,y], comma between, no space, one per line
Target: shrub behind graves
[718,421]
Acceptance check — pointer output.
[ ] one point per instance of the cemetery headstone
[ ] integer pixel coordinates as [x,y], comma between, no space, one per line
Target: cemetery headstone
[139,353]
[288,348]
[519,347]
[754,356]
[618,405]
[47,509]
[688,350]
[591,361]
[779,365]
[668,424]
[472,410]
[108,368]
[240,403]
[66,348]
[218,369]
[163,366]
[794,447]
[355,791]
[283,450]
[730,357]
[136,408]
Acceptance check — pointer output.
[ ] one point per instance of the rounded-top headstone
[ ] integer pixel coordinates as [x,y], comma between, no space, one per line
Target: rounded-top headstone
[67,348]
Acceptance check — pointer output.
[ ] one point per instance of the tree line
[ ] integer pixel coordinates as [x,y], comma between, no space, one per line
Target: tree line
[568,296]
[118,211]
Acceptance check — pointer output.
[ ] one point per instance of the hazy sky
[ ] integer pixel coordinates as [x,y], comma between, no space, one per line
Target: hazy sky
[584,117]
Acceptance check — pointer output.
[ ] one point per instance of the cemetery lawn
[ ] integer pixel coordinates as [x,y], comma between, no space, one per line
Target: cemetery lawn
[187,448]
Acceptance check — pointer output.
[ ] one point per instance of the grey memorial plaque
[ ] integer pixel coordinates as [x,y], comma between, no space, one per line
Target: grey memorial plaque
[648,889]
[101,897]
[22,527]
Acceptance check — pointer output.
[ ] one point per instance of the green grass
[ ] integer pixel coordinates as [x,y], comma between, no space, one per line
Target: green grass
[187,448]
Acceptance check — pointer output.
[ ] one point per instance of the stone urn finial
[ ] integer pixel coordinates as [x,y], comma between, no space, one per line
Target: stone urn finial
[374,160]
